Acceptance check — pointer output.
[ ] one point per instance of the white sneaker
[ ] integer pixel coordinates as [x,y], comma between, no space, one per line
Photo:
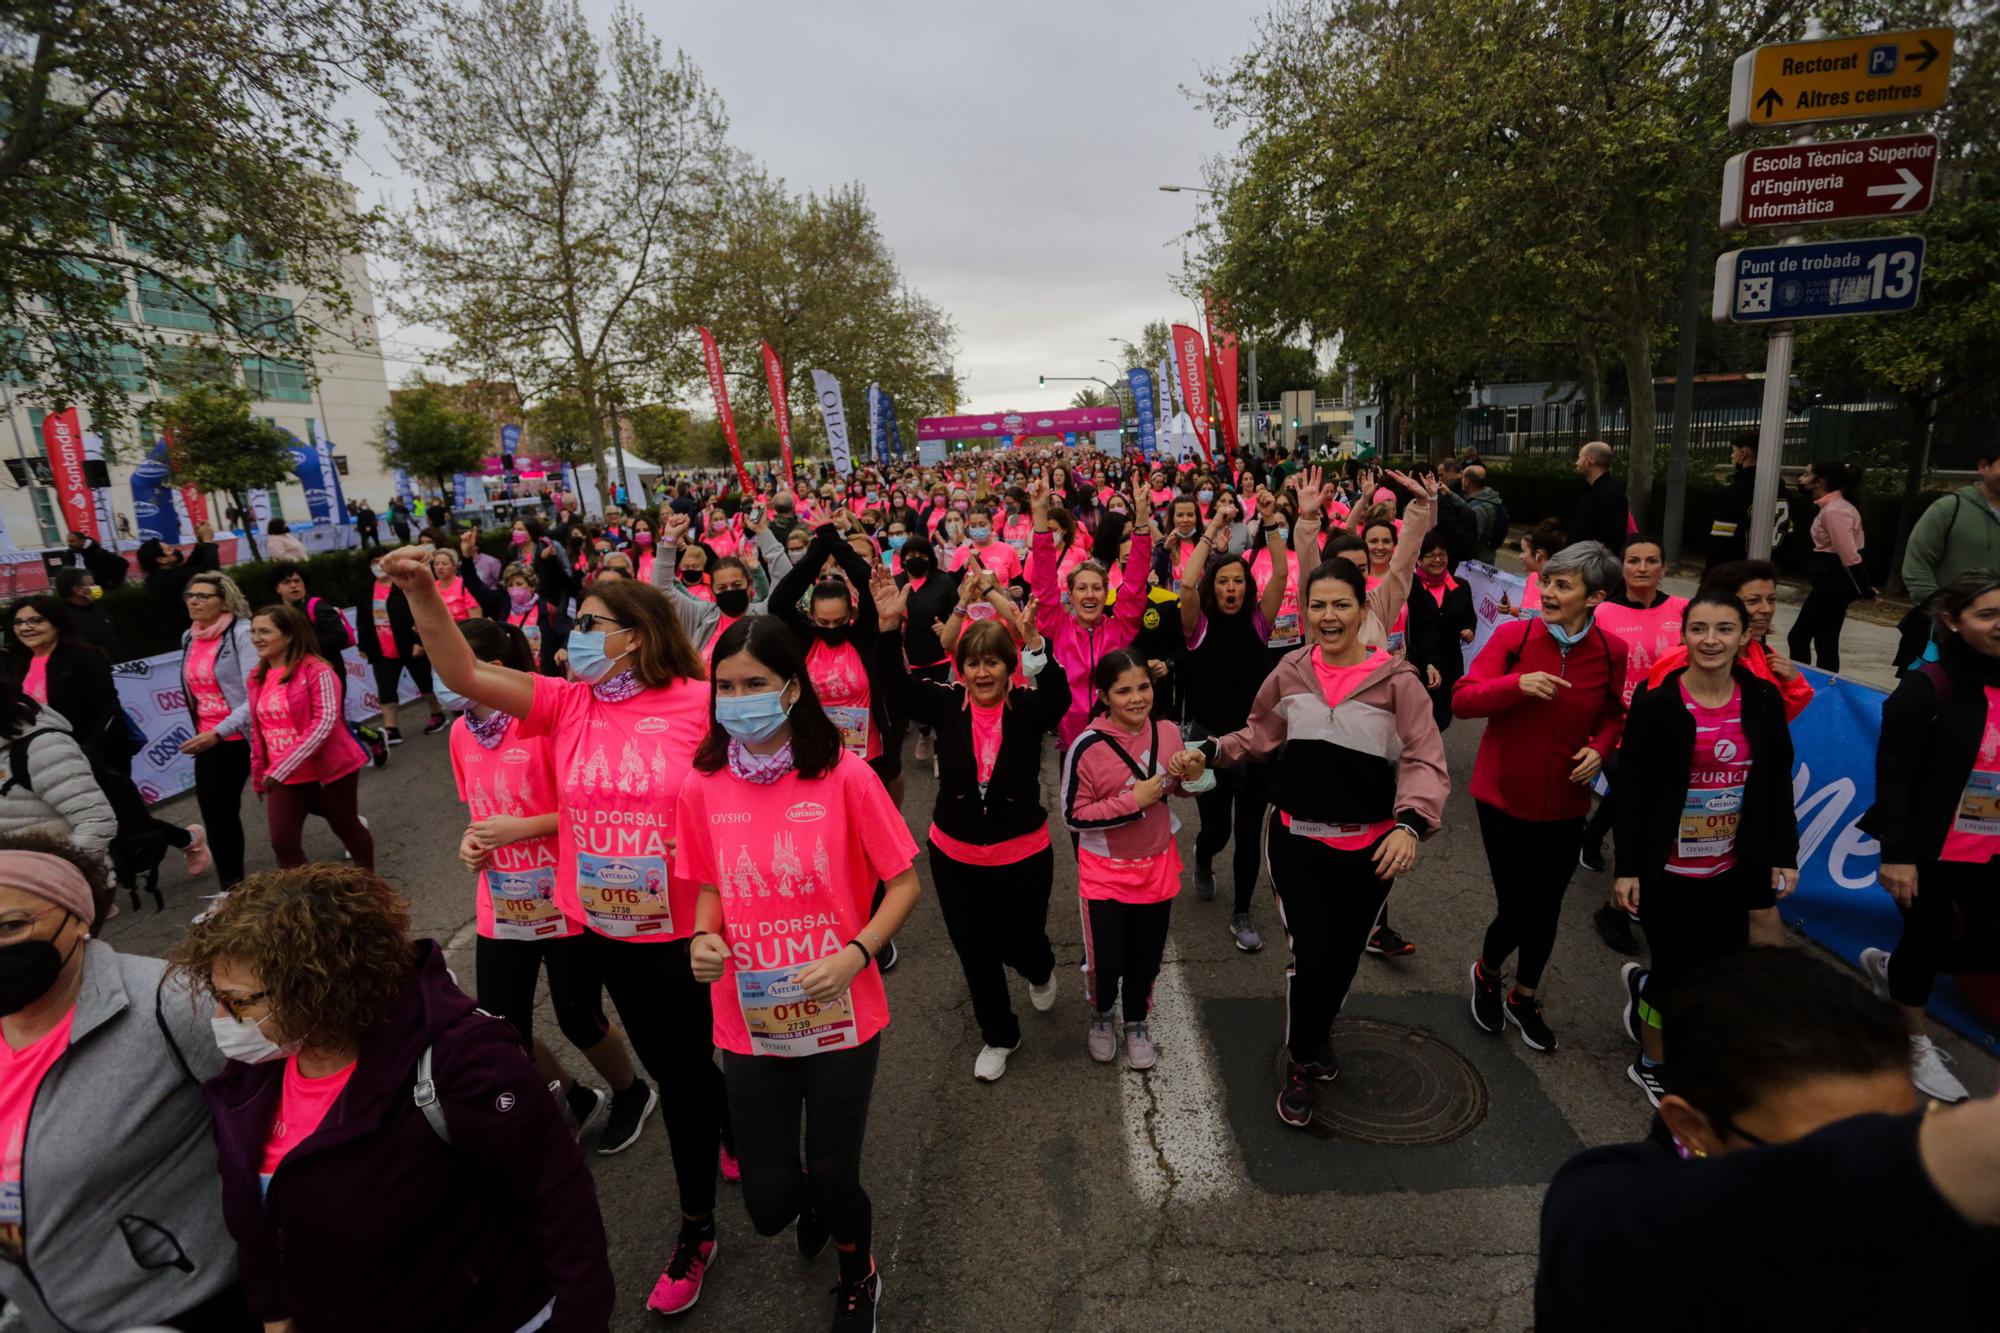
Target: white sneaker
[1875,967]
[1043,997]
[1928,1072]
[992,1063]
[347,855]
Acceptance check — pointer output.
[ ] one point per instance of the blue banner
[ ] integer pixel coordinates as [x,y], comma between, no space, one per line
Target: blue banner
[889,420]
[458,492]
[1838,901]
[510,440]
[1141,381]
[878,426]
[153,497]
[331,471]
[319,496]
[403,490]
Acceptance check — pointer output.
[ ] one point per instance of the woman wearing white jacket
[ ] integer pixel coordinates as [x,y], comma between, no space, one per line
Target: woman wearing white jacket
[46,782]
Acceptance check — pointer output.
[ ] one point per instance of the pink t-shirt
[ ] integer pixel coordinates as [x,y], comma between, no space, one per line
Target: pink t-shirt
[380,597]
[999,559]
[841,680]
[302,1108]
[457,599]
[1399,633]
[1705,839]
[795,862]
[618,766]
[36,683]
[210,705]
[1974,836]
[1285,632]
[1647,634]
[1335,684]
[516,899]
[21,1074]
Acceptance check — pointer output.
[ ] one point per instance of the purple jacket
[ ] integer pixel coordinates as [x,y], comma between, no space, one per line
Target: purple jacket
[375,1223]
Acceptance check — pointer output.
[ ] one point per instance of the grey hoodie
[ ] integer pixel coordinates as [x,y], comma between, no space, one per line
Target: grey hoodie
[700,618]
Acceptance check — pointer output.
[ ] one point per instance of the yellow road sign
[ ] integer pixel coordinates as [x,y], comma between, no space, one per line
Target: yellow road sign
[1875,76]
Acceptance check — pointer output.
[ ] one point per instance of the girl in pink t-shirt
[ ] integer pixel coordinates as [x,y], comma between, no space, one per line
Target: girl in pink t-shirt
[788,832]
[621,734]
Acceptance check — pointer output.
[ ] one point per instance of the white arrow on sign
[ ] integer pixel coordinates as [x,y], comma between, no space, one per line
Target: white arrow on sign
[1909,189]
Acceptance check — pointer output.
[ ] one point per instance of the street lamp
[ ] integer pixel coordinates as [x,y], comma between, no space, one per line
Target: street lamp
[1192,189]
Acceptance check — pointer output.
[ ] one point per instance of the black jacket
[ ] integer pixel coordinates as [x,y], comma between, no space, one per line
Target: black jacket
[1434,631]
[81,689]
[784,604]
[1012,805]
[107,567]
[402,626]
[1732,510]
[1926,752]
[95,625]
[1653,762]
[933,600]
[1604,514]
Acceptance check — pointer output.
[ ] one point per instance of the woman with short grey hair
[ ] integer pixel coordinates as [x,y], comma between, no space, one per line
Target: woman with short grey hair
[215,655]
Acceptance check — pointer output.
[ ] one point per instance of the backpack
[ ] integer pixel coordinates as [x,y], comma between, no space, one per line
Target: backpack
[17,758]
[312,615]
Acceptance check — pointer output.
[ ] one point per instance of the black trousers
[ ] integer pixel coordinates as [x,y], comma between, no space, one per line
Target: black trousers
[220,774]
[1950,894]
[769,1097]
[1122,947]
[1689,922]
[1327,902]
[1531,861]
[1235,807]
[1817,630]
[506,973]
[666,1016]
[998,917]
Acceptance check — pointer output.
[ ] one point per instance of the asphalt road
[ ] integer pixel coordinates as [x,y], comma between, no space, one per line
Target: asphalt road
[1078,1196]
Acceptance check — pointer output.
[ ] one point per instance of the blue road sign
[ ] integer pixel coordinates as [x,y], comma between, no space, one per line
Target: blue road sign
[1770,284]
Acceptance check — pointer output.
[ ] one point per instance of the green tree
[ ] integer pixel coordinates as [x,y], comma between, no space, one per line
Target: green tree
[562,185]
[219,446]
[660,434]
[426,436]
[207,139]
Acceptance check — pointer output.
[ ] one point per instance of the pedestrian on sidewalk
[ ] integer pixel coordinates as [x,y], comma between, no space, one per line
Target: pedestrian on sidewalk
[1959,533]
[1839,575]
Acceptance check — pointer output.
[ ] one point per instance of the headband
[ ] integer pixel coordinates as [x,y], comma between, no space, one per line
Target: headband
[51,878]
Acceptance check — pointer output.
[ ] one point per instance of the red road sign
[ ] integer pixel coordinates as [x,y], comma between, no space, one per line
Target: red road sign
[1841,181]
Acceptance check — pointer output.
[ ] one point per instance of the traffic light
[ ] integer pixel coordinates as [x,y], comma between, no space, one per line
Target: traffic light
[1042,380]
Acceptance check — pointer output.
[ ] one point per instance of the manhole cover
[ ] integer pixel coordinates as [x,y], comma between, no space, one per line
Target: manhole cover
[1398,1086]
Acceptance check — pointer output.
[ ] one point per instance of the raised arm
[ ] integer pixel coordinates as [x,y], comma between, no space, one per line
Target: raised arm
[1273,594]
[450,656]
[784,599]
[1388,597]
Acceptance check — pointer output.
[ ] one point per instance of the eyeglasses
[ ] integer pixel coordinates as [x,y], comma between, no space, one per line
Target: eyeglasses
[14,929]
[201,597]
[591,622]
[29,622]
[236,1004]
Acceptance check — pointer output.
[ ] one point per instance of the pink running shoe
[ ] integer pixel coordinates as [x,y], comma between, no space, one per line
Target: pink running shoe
[732,1170]
[199,859]
[680,1286]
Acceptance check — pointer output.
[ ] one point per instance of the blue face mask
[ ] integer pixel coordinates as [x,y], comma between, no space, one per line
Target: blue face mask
[751,718]
[1205,496]
[586,654]
[449,699]
[896,540]
[979,533]
[1565,638]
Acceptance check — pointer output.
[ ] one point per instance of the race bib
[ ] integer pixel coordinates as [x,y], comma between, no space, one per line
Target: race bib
[853,724]
[1979,806]
[534,633]
[1020,544]
[783,1020]
[625,896]
[1285,630]
[524,905]
[1396,639]
[1708,822]
[1307,829]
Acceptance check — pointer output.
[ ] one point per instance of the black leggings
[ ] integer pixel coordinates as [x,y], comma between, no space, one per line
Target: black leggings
[667,1018]
[1531,861]
[1689,922]
[220,773]
[1235,806]
[1946,890]
[768,1097]
[997,917]
[1327,903]
[506,973]
[1122,947]
[389,671]
[1817,630]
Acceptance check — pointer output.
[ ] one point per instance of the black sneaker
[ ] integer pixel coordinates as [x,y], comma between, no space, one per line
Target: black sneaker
[1615,927]
[1204,881]
[854,1303]
[1486,1001]
[392,736]
[1384,942]
[1633,976]
[1591,857]
[587,1106]
[888,958]
[1648,1079]
[629,1109]
[1525,1013]
[378,749]
[1323,1068]
[1295,1099]
[812,1235]
[438,722]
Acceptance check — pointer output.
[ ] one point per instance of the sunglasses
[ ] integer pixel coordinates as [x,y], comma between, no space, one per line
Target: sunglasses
[591,622]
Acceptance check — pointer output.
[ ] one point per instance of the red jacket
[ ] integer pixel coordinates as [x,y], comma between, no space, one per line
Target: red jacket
[1529,748]
[316,746]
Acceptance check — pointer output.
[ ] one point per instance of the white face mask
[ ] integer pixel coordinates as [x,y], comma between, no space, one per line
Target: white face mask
[244,1041]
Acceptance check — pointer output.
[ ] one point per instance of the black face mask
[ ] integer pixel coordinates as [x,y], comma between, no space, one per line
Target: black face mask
[917,567]
[28,970]
[732,601]
[834,637]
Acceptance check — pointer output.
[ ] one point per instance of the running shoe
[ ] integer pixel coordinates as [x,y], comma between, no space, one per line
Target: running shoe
[199,859]
[392,736]
[1322,1068]
[854,1303]
[1525,1013]
[887,959]
[1875,967]
[925,748]
[377,743]
[1295,1099]
[810,1236]
[438,722]
[1204,881]
[1486,1000]
[991,1063]
[1648,1080]
[1634,976]
[629,1109]
[1245,931]
[1139,1052]
[1615,927]
[587,1106]
[680,1286]
[731,1165]
[1928,1072]
[1043,997]
[1103,1038]
[1384,942]
[1591,857]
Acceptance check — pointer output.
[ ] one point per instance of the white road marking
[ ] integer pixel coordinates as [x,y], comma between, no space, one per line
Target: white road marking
[1177,1139]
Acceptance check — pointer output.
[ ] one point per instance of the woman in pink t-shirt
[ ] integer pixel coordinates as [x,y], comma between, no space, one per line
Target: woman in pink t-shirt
[788,831]
[622,733]
[303,759]
[215,657]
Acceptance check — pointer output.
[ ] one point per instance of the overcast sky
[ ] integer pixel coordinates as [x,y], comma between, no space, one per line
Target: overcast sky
[1012,152]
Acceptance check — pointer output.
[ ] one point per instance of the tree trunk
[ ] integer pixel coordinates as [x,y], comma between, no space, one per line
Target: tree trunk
[1923,407]
[242,501]
[593,412]
[1642,413]
[1593,385]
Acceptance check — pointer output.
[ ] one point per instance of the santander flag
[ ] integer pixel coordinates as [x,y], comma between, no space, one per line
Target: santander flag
[62,432]
[1224,350]
[711,356]
[1194,384]
[774,373]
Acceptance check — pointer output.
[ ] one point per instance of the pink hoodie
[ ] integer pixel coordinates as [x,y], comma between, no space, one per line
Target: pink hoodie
[1098,775]
[1075,648]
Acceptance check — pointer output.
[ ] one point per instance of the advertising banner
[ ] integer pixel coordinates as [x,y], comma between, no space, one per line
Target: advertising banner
[1223,348]
[330,472]
[993,425]
[774,375]
[889,425]
[62,433]
[831,411]
[312,477]
[1141,381]
[1487,586]
[510,440]
[1194,385]
[719,390]
[153,513]
[878,428]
